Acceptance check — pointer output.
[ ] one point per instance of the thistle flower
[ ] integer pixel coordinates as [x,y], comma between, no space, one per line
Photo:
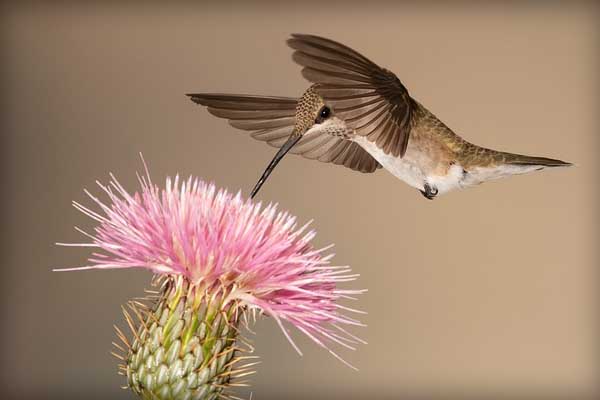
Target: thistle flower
[218,259]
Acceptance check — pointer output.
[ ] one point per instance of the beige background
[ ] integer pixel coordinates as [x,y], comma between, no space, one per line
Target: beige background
[489,291]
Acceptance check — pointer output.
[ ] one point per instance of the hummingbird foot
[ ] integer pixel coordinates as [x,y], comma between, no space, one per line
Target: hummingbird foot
[429,191]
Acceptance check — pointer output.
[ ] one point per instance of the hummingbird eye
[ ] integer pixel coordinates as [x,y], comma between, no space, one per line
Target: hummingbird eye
[323,114]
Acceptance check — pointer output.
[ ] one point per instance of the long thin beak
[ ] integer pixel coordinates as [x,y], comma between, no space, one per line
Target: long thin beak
[293,139]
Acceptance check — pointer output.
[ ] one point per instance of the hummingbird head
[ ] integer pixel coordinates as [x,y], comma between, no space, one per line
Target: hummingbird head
[313,117]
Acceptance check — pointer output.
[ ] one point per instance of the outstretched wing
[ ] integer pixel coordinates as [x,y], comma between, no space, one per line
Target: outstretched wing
[370,99]
[272,120]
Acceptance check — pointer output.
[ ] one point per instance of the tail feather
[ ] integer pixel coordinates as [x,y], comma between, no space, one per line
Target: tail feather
[508,164]
[518,159]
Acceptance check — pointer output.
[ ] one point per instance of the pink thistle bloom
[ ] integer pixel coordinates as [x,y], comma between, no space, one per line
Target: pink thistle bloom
[214,239]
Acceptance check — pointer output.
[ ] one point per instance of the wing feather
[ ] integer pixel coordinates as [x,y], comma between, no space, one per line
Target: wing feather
[272,120]
[353,85]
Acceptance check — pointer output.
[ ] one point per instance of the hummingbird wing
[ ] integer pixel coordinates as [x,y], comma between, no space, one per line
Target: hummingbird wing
[272,119]
[370,99]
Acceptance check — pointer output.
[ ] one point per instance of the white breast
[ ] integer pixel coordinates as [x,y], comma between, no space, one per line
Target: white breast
[404,168]
[410,168]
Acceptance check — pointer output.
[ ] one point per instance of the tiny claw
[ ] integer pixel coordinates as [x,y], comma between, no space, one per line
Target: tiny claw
[429,191]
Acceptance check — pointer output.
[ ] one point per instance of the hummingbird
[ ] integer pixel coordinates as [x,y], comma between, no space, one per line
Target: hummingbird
[360,115]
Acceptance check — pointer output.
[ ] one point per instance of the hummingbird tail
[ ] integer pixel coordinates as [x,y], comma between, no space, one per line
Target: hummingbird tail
[508,164]
[532,161]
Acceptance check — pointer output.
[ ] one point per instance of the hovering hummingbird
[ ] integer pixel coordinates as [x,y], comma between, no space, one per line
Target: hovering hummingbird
[360,115]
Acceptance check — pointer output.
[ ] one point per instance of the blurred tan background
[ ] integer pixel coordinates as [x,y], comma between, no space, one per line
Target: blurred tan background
[482,293]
